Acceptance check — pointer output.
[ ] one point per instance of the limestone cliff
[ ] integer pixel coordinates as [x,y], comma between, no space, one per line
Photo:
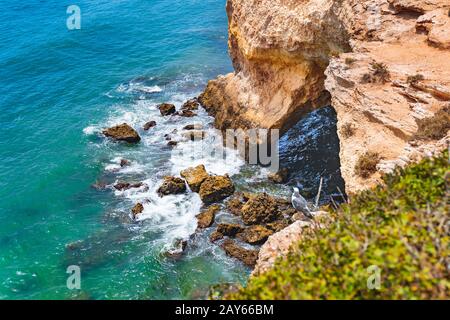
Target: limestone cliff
[382,64]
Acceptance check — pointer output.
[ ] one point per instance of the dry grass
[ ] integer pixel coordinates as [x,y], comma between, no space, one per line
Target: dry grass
[347,130]
[415,78]
[350,61]
[367,164]
[434,128]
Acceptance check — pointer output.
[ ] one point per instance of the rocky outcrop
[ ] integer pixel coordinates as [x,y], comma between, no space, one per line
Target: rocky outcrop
[149,125]
[383,65]
[205,219]
[122,132]
[248,257]
[216,188]
[137,209]
[255,234]
[261,208]
[166,109]
[195,177]
[172,185]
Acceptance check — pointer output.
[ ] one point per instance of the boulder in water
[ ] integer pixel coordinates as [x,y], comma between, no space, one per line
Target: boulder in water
[196,126]
[206,218]
[137,209]
[229,229]
[122,132]
[178,249]
[187,113]
[149,125]
[124,163]
[280,177]
[216,188]
[195,177]
[122,186]
[166,109]
[172,185]
[248,257]
[190,105]
[261,208]
[194,135]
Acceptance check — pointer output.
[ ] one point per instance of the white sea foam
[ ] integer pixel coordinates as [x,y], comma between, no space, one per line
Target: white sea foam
[90,130]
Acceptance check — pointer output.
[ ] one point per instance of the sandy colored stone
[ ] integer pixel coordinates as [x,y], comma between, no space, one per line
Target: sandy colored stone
[122,132]
[216,188]
[206,218]
[195,177]
[172,185]
[248,257]
[255,234]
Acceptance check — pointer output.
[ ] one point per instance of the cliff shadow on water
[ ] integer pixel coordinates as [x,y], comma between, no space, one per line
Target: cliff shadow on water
[310,151]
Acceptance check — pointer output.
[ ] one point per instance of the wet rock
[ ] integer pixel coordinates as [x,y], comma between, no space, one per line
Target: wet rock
[137,209]
[172,185]
[178,249]
[166,109]
[168,137]
[215,236]
[190,105]
[193,127]
[121,186]
[124,163]
[149,125]
[172,143]
[187,114]
[280,177]
[260,209]
[255,234]
[194,135]
[195,177]
[206,218]
[234,205]
[122,132]
[278,225]
[99,185]
[216,188]
[248,257]
[229,229]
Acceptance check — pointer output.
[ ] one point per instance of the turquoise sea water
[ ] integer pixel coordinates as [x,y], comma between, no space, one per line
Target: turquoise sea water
[53,84]
[59,88]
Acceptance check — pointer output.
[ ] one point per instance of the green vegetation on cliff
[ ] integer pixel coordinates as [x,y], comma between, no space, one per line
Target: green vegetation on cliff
[397,233]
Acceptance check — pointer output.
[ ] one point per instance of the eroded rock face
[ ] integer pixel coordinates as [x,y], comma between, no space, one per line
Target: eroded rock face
[195,177]
[122,132]
[229,229]
[290,56]
[248,257]
[216,188]
[206,218]
[172,185]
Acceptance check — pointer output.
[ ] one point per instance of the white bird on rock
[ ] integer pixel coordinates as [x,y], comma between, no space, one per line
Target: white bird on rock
[300,204]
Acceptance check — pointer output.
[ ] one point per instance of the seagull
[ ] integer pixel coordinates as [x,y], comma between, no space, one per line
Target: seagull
[300,204]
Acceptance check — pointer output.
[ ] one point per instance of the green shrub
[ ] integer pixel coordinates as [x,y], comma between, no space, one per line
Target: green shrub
[402,227]
[367,164]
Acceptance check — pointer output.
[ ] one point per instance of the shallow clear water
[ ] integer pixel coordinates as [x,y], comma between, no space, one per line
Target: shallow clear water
[58,89]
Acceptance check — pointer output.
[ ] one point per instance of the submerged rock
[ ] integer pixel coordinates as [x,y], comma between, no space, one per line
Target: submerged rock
[178,249]
[172,143]
[172,185]
[124,163]
[137,209]
[166,109]
[149,125]
[206,218]
[255,234]
[195,177]
[215,236]
[280,177]
[261,208]
[248,257]
[122,132]
[121,186]
[187,113]
[216,188]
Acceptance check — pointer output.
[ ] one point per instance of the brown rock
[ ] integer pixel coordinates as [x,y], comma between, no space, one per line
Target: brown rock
[260,209]
[122,132]
[121,186]
[172,143]
[172,185]
[216,188]
[278,225]
[137,209]
[178,249]
[206,218]
[195,177]
[229,229]
[166,109]
[124,162]
[255,234]
[190,105]
[149,125]
[248,257]
[193,127]
[187,114]
[99,185]
[280,177]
